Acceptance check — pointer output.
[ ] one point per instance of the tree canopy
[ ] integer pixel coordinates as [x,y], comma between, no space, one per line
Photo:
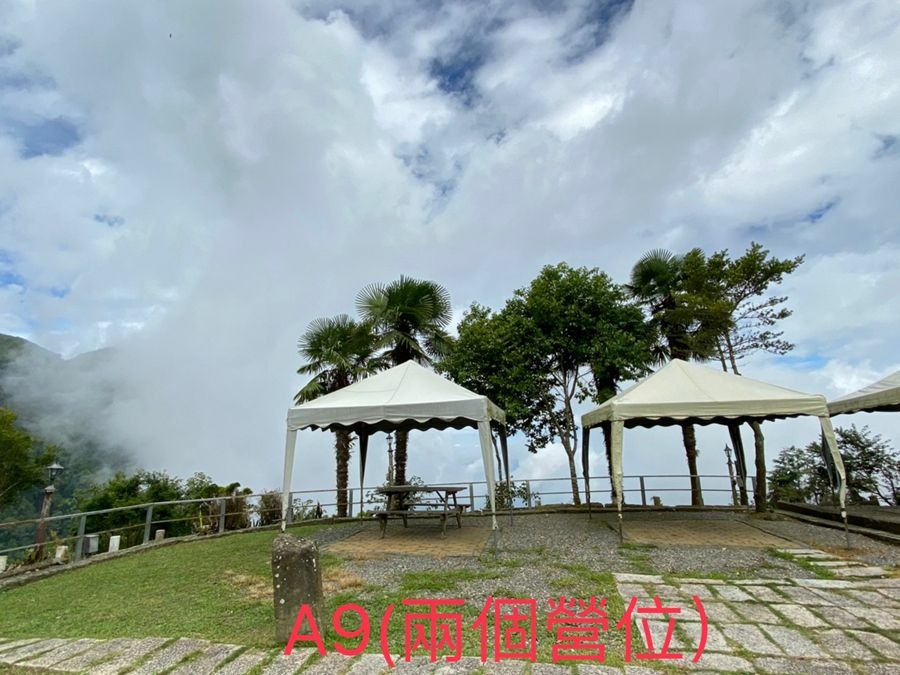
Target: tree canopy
[410,318]
[872,465]
[570,336]
[338,351]
[23,459]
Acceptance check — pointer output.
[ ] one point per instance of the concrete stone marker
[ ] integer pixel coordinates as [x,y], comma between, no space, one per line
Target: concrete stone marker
[297,581]
[3,563]
[62,553]
[91,544]
[114,542]
[159,535]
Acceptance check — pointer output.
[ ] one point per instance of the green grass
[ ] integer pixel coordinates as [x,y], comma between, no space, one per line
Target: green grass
[220,590]
[818,570]
[206,589]
[639,556]
[576,581]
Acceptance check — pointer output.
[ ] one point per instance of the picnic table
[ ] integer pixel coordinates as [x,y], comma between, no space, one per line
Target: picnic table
[432,497]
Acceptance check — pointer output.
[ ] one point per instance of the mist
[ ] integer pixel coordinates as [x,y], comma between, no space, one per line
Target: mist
[234,171]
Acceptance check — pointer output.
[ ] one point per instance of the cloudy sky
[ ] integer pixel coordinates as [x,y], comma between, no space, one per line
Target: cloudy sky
[193,183]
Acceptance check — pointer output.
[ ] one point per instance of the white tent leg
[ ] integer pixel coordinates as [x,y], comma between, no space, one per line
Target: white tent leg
[487,456]
[616,429]
[831,442]
[289,444]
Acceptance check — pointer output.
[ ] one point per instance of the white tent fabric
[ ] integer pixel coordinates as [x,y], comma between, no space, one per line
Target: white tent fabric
[881,396]
[405,397]
[683,392]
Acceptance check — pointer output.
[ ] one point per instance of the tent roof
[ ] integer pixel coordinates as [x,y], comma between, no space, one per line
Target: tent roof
[881,396]
[407,396]
[684,392]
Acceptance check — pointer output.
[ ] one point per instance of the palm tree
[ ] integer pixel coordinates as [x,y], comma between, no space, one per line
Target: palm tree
[685,323]
[338,351]
[409,317]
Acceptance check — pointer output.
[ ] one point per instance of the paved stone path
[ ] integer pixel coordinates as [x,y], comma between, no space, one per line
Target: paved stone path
[848,625]
[703,532]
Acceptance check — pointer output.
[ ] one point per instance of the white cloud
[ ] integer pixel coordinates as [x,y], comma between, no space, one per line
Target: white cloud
[243,169]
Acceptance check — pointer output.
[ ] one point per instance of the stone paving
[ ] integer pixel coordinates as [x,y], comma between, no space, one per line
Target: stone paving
[708,533]
[849,624]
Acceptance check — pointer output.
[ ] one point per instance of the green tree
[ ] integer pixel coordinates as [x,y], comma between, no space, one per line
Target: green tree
[872,466]
[338,352]
[799,475]
[23,460]
[141,487]
[743,285]
[568,337]
[410,318]
[237,511]
[688,316]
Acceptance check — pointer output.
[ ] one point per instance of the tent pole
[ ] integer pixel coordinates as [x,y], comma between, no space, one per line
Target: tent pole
[840,471]
[616,428]
[585,471]
[487,456]
[289,443]
[505,457]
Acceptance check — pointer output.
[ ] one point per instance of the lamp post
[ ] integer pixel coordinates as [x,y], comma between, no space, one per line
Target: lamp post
[390,463]
[52,471]
[734,496]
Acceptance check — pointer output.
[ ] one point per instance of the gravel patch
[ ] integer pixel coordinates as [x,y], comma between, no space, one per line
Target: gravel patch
[535,554]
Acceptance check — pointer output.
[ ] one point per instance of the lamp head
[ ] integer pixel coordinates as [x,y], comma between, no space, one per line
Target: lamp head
[54,470]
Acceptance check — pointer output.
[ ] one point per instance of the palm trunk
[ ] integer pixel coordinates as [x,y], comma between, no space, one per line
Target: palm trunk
[759,442]
[690,449]
[607,443]
[342,443]
[402,438]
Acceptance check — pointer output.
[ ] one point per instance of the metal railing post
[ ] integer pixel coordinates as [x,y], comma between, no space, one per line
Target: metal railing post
[148,522]
[528,493]
[471,497]
[350,505]
[79,542]
[289,516]
[643,492]
[222,515]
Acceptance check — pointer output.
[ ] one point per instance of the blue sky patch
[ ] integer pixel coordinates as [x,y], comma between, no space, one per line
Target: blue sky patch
[455,74]
[597,25]
[804,361]
[8,46]
[10,278]
[108,219]
[888,145]
[45,137]
[820,212]
[59,292]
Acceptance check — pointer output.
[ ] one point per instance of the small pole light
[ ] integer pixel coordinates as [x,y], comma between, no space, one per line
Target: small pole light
[54,470]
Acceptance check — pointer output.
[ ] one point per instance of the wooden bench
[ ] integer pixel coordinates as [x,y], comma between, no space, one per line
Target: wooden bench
[437,509]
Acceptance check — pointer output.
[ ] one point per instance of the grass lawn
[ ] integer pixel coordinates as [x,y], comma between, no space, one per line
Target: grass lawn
[219,589]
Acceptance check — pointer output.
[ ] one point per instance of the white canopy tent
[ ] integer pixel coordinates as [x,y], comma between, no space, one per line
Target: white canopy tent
[685,393]
[881,396]
[405,397]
